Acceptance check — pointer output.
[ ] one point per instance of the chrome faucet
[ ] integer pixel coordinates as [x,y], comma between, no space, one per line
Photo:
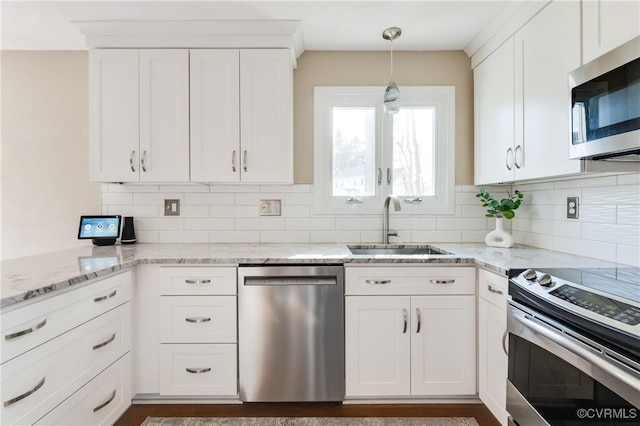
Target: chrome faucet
[385,217]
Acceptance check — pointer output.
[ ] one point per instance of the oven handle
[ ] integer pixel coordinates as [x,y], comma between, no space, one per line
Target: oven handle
[541,329]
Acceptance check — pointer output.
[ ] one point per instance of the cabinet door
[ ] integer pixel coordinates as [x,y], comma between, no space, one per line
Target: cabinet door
[215,115]
[266,130]
[164,115]
[607,24]
[443,345]
[492,360]
[547,49]
[494,116]
[113,118]
[377,336]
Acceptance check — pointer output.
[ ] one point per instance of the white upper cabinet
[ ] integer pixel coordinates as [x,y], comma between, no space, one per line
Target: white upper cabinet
[494,116]
[113,120]
[201,115]
[139,115]
[607,24]
[522,100]
[164,115]
[215,115]
[241,116]
[266,110]
[546,50]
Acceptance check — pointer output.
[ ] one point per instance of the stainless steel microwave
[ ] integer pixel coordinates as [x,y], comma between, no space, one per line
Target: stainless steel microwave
[605,106]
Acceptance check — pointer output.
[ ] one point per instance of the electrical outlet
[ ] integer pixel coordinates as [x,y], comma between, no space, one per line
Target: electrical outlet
[572,207]
[172,207]
[269,207]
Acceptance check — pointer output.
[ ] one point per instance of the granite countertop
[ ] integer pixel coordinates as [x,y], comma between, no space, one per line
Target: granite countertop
[30,277]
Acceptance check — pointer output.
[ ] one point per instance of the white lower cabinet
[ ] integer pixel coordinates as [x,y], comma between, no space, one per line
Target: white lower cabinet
[410,345]
[208,369]
[101,402]
[492,359]
[65,350]
[187,342]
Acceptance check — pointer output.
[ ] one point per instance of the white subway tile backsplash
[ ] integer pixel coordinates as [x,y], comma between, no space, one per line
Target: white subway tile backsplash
[333,236]
[609,217]
[629,255]
[253,199]
[285,236]
[310,224]
[618,234]
[234,236]
[183,237]
[259,224]
[622,194]
[195,224]
[628,215]
[296,199]
[208,199]
[155,198]
[234,211]
[117,198]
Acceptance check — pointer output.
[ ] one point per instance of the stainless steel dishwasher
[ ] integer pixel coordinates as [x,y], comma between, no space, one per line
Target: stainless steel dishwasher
[291,333]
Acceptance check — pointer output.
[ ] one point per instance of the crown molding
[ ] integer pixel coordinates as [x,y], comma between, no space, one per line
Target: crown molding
[238,34]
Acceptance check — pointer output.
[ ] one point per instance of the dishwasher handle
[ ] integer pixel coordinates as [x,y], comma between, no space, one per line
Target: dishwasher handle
[290,280]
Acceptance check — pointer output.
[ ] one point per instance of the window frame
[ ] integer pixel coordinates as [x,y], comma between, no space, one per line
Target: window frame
[442,98]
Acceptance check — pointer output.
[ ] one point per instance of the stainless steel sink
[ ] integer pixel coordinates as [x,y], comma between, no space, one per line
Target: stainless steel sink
[404,249]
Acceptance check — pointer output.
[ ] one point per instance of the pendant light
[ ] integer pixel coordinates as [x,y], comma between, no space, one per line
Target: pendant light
[391,102]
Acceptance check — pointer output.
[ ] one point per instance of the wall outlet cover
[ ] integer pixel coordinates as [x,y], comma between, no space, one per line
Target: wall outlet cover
[172,207]
[270,208]
[572,207]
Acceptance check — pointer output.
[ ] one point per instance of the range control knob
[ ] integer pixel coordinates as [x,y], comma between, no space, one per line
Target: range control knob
[545,280]
[530,274]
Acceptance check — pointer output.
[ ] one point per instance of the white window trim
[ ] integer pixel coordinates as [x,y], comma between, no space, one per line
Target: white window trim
[441,97]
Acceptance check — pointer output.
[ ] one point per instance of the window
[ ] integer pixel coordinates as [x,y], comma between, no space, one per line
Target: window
[362,154]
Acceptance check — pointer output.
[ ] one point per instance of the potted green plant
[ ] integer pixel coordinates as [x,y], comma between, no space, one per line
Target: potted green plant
[500,209]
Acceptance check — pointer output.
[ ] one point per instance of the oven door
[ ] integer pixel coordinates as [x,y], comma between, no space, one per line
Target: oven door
[558,378]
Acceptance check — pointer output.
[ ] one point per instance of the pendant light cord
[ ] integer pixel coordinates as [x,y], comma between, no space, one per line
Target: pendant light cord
[391,70]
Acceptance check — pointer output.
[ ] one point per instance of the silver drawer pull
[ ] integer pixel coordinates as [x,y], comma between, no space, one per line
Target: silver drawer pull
[378,281]
[442,281]
[24,395]
[104,404]
[419,320]
[504,342]
[197,281]
[106,342]
[405,317]
[198,370]
[108,296]
[27,331]
[133,169]
[493,290]
[197,319]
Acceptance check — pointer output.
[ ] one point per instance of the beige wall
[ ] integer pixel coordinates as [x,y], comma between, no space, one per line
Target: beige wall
[45,151]
[449,68]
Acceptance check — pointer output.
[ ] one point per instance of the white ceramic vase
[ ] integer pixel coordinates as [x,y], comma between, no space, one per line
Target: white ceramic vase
[499,237]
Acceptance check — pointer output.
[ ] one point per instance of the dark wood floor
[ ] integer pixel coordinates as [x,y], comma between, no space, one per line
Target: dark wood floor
[136,414]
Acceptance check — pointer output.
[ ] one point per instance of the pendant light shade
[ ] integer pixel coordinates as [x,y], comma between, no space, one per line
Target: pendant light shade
[391,100]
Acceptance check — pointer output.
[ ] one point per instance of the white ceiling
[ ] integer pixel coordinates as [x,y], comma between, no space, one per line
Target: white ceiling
[326,25]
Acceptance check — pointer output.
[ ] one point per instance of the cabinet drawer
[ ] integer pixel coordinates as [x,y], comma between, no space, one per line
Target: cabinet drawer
[403,279]
[26,327]
[39,380]
[493,288]
[198,370]
[101,402]
[197,319]
[197,280]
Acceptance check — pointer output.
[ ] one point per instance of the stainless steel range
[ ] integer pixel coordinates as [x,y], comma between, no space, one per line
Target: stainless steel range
[574,347]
